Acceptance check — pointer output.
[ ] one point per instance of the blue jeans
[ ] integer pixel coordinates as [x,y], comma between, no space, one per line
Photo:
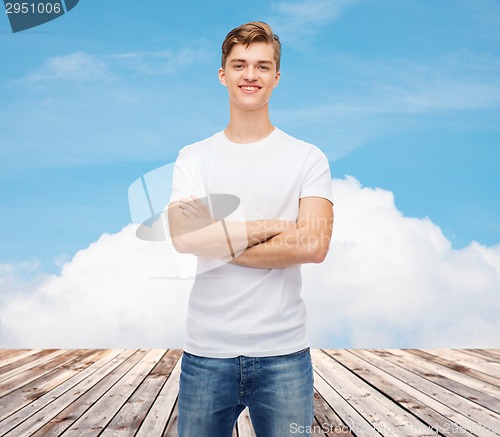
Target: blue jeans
[277,390]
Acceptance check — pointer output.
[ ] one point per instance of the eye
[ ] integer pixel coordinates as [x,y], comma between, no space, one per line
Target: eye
[264,67]
[237,66]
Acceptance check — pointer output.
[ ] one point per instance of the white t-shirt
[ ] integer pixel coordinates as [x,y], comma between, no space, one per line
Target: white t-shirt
[235,310]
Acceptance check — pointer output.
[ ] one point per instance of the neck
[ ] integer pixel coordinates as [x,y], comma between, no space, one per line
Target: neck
[248,126]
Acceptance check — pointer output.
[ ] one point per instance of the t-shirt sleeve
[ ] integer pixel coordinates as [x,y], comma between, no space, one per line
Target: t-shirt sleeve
[316,177]
[186,178]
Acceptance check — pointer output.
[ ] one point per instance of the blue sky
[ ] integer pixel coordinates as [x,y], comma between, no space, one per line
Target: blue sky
[402,95]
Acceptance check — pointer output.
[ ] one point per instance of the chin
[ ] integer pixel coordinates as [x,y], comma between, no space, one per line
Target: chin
[251,106]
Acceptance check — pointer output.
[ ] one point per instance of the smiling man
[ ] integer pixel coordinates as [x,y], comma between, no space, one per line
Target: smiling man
[246,341]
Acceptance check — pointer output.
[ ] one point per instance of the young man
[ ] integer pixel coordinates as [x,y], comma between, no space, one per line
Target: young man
[246,341]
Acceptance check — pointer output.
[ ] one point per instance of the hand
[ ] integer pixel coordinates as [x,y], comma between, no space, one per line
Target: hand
[196,212]
[193,207]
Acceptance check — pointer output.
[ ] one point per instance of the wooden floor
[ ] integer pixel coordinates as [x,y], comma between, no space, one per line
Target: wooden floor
[357,393]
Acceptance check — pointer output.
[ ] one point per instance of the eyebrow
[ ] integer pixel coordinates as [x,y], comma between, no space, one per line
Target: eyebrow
[263,61]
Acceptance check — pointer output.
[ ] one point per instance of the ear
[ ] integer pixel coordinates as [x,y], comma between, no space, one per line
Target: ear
[277,79]
[222,76]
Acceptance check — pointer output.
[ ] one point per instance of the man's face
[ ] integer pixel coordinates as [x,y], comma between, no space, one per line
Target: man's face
[250,75]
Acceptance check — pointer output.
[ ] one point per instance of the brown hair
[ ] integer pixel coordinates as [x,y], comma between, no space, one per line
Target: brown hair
[255,31]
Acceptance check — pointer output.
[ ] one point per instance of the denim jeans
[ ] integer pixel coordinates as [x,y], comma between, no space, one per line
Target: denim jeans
[277,390]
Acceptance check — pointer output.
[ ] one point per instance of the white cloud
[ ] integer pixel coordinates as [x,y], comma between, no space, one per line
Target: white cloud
[459,81]
[104,297]
[169,61]
[389,281]
[84,67]
[78,66]
[394,97]
[395,281]
[85,108]
[296,22]
[312,11]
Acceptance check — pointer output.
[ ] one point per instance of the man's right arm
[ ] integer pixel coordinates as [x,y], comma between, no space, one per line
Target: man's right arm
[194,231]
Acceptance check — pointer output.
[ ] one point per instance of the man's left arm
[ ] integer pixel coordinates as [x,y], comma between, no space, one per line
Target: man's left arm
[307,243]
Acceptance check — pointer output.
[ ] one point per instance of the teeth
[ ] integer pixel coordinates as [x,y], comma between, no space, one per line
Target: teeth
[250,88]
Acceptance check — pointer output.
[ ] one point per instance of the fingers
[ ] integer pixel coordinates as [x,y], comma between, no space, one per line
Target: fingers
[187,208]
[193,207]
[199,204]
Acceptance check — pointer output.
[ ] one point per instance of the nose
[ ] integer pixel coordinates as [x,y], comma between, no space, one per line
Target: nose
[250,73]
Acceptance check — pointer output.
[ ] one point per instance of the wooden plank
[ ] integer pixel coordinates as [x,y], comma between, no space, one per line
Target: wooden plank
[477,355]
[13,370]
[25,395]
[450,405]
[484,355]
[453,381]
[494,352]
[316,429]
[97,417]
[421,360]
[9,356]
[328,385]
[468,360]
[63,412]
[495,382]
[35,373]
[356,423]
[398,393]
[158,416]
[421,369]
[5,353]
[128,420]
[171,429]
[37,411]
[328,421]
[385,416]
[8,351]
[103,392]
[484,415]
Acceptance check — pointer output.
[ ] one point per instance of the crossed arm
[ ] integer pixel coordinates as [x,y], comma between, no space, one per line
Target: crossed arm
[270,243]
[307,242]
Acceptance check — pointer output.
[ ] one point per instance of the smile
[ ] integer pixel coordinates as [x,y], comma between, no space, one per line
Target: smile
[249,88]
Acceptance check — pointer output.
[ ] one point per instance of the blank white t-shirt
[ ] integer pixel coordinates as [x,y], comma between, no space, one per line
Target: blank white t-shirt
[235,310]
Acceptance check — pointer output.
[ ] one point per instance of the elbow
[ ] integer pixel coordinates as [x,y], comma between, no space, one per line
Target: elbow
[182,244]
[314,255]
[319,255]
[317,249]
